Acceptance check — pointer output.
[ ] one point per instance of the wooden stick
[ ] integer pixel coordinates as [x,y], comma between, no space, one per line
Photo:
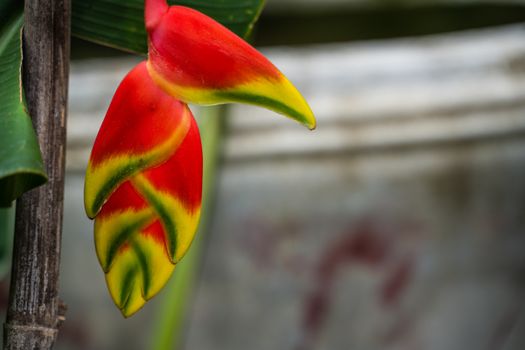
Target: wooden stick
[33,314]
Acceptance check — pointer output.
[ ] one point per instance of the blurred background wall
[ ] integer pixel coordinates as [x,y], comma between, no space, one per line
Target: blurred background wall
[397,225]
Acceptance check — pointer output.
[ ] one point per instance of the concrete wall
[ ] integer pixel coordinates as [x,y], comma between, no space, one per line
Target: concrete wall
[398,224]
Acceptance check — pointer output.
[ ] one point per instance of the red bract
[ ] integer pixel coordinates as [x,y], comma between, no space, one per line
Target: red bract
[144,178]
[197,60]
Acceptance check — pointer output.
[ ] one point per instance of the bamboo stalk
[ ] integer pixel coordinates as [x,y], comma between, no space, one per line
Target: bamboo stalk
[33,314]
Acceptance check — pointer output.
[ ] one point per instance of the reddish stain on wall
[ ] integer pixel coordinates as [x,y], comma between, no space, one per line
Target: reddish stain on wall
[365,244]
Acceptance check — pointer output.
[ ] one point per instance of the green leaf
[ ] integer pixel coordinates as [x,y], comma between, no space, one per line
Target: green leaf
[120,23]
[21,167]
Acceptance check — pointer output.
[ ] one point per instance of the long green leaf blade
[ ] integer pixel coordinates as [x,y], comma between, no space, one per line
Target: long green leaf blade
[120,23]
[21,167]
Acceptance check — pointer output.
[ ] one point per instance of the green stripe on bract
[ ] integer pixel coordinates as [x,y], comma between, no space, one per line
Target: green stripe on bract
[128,283]
[143,186]
[117,179]
[124,235]
[143,263]
[266,102]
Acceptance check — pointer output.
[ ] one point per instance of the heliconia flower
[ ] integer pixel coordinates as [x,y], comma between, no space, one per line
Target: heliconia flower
[143,187]
[143,183]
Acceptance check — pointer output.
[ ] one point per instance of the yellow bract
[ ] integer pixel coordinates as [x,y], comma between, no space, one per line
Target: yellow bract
[117,227]
[184,220]
[140,272]
[137,265]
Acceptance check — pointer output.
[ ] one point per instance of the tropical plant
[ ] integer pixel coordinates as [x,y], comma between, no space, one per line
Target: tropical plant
[144,179]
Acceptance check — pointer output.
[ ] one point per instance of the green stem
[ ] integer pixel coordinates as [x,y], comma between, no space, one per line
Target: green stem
[169,326]
[7,220]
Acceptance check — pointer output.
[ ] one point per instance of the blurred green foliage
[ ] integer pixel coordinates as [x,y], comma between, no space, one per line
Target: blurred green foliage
[394,19]
[120,24]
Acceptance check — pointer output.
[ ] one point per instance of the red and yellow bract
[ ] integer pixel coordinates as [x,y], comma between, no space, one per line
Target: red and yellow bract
[144,179]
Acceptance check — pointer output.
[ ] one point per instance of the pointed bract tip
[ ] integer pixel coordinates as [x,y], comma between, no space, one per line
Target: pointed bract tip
[312,126]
